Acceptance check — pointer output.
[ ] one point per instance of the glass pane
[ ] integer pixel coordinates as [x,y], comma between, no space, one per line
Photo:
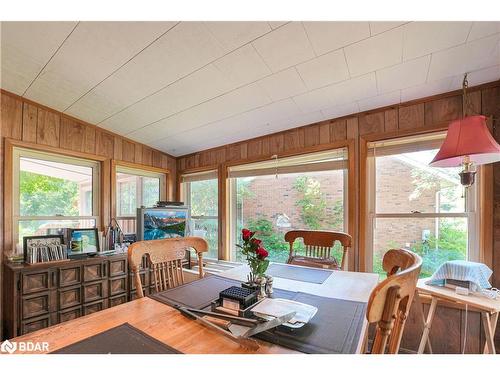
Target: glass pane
[271,207]
[43,227]
[50,188]
[204,201]
[204,198]
[133,191]
[406,183]
[150,191]
[128,225]
[208,229]
[126,194]
[436,240]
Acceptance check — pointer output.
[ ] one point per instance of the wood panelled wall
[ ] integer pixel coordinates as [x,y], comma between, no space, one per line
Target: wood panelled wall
[31,123]
[419,116]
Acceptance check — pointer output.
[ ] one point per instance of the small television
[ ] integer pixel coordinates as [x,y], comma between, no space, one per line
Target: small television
[162,222]
[82,242]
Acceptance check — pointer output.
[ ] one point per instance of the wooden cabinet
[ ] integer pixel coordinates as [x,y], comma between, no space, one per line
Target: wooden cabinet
[42,295]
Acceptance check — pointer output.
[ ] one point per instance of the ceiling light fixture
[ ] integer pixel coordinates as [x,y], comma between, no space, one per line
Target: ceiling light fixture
[468,143]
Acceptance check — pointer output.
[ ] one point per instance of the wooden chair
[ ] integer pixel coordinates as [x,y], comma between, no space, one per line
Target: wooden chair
[165,258]
[390,301]
[319,245]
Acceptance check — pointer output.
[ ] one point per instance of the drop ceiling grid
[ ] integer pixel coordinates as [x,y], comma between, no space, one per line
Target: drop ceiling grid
[237,86]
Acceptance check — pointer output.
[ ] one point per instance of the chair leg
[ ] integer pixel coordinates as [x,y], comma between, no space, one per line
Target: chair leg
[427,325]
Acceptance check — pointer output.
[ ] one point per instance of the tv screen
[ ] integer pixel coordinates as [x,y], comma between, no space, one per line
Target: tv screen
[160,223]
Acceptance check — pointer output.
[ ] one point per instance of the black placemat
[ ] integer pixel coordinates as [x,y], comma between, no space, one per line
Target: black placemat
[336,327]
[308,275]
[197,294]
[123,339]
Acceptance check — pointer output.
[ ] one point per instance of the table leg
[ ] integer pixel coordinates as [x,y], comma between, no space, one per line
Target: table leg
[490,325]
[427,323]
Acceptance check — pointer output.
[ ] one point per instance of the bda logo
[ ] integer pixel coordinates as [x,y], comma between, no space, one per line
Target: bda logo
[8,347]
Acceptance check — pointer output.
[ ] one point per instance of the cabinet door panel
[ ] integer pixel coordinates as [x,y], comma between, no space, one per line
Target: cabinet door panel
[117,300]
[117,267]
[70,297]
[70,276]
[35,281]
[92,272]
[35,324]
[94,291]
[70,314]
[117,286]
[93,307]
[35,304]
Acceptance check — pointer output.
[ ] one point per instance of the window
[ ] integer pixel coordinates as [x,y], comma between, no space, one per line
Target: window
[52,192]
[418,207]
[201,194]
[136,188]
[273,197]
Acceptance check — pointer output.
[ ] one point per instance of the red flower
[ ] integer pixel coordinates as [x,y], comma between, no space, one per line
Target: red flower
[261,253]
[246,234]
[256,241]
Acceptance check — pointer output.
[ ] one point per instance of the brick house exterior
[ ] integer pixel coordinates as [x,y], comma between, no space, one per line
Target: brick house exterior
[395,188]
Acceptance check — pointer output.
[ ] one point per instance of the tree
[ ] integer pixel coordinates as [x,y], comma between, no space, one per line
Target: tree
[42,195]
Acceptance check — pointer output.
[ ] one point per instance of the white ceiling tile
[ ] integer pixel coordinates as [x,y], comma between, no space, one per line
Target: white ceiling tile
[341,110]
[375,53]
[227,105]
[378,101]
[295,121]
[26,48]
[284,47]
[409,73]
[324,70]
[381,26]
[422,38]
[92,52]
[354,89]
[482,29]
[194,89]
[329,36]
[314,100]
[184,49]
[232,35]
[426,89]
[243,66]
[479,54]
[284,84]
[477,77]
[276,24]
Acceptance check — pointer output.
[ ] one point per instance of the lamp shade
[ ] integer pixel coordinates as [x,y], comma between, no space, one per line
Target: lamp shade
[467,137]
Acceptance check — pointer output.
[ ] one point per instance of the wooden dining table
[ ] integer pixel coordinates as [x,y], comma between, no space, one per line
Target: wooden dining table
[170,327]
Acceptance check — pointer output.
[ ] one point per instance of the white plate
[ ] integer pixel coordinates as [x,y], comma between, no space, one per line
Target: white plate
[270,308]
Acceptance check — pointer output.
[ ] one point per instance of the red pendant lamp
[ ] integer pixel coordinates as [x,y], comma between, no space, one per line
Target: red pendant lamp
[468,143]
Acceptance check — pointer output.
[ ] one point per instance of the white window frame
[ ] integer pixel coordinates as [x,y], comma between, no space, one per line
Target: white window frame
[471,213]
[283,169]
[18,153]
[138,173]
[186,181]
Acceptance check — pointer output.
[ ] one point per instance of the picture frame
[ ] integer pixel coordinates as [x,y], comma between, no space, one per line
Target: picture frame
[89,241]
[41,240]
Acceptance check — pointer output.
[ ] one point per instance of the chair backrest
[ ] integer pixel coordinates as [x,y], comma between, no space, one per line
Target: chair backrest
[165,258]
[319,244]
[390,301]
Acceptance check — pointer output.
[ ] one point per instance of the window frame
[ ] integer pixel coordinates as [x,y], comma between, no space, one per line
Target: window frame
[21,151]
[135,170]
[349,201]
[472,206]
[185,196]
